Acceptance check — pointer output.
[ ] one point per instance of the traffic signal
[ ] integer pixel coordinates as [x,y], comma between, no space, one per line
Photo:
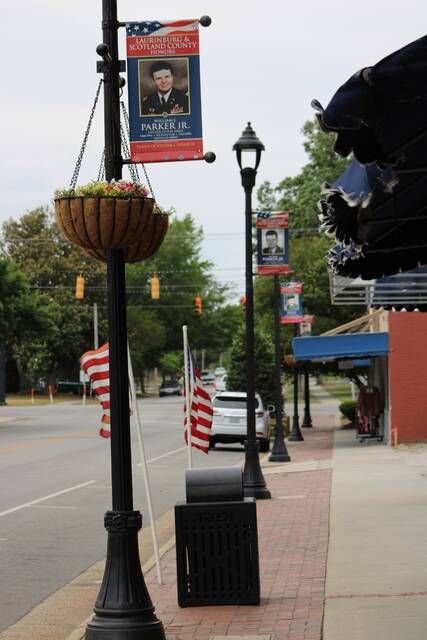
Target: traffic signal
[155,287]
[80,287]
[198,305]
[243,301]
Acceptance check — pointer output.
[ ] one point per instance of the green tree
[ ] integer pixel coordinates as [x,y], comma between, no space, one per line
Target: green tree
[171,364]
[183,275]
[264,364]
[24,320]
[300,194]
[51,266]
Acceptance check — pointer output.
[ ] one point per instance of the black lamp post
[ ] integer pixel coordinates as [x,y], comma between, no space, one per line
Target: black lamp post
[307,422]
[248,149]
[295,434]
[279,452]
[123,610]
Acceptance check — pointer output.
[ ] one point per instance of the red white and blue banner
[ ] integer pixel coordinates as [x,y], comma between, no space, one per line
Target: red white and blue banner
[291,303]
[163,71]
[272,242]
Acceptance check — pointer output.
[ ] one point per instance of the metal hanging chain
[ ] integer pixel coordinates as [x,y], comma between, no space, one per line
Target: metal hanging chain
[101,172]
[126,119]
[125,149]
[83,147]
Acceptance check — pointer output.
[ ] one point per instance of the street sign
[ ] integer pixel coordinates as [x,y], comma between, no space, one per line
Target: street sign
[164,91]
[272,242]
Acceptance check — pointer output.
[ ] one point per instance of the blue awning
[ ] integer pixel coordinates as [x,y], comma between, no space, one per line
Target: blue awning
[349,345]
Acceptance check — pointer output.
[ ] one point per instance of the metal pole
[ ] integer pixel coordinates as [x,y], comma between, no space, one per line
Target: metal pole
[95,326]
[295,435]
[254,485]
[279,452]
[123,610]
[307,422]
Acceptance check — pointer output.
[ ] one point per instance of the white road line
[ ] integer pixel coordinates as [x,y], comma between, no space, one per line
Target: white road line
[164,455]
[50,506]
[51,495]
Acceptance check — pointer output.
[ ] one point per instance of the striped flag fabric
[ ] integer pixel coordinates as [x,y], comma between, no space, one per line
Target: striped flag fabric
[96,364]
[201,410]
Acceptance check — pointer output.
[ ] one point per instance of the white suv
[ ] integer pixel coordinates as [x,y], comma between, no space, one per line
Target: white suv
[229,420]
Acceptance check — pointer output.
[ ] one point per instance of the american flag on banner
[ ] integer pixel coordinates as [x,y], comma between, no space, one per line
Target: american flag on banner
[96,364]
[201,411]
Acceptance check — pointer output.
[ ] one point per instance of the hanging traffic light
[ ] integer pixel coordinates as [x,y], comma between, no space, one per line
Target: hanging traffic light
[155,287]
[80,287]
[198,305]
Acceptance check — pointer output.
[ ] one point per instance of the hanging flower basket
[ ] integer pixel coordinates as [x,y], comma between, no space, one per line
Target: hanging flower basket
[111,216]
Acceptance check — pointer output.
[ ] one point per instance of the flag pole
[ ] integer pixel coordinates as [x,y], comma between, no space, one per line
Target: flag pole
[187,395]
[138,422]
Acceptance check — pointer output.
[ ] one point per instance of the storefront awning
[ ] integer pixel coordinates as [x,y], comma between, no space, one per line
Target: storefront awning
[350,345]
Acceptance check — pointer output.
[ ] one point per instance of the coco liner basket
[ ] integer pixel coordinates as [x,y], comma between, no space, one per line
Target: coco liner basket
[97,223]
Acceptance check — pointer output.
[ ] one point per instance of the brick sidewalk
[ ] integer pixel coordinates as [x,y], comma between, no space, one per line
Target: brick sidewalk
[293,530]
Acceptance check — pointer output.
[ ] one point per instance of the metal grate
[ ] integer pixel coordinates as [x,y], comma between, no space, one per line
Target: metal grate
[217,553]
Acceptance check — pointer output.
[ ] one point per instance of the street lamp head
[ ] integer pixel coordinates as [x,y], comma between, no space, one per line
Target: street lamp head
[248,149]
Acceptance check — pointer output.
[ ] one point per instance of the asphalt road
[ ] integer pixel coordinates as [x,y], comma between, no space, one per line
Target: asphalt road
[55,487]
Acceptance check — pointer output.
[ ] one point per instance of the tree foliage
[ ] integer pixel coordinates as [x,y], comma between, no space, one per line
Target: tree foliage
[51,266]
[183,275]
[24,320]
[300,194]
[264,364]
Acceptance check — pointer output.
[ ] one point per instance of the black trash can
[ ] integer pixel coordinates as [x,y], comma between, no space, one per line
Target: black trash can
[216,540]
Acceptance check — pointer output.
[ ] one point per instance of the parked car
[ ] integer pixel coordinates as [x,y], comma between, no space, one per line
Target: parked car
[208,379]
[219,372]
[229,419]
[71,386]
[221,384]
[170,388]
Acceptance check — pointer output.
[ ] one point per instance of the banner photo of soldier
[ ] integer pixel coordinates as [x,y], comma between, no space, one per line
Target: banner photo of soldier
[96,364]
[201,410]
[272,242]
[291,303]
[163,69]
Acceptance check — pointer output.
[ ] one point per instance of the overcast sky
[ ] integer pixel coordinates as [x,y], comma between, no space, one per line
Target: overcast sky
[262,62]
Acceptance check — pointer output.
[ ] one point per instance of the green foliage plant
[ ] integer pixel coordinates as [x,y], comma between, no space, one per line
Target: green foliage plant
[348,409]
[264,364]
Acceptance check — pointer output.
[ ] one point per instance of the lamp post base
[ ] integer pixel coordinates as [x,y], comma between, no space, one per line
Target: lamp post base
[307,422]
[254,485]
[295,435]
[279,452]
[279,457]
[123,610]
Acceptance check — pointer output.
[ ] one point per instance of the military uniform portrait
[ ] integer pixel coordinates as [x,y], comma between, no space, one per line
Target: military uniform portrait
[164,87]
[273,242]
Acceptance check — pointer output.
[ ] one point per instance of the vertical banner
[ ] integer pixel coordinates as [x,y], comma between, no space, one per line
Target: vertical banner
[272,242]
[291,303]
[163,72]
[305,326]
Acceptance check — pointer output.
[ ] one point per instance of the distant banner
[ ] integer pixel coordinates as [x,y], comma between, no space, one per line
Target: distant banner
[291,303]
[272,242]
[164,91]
[305,326]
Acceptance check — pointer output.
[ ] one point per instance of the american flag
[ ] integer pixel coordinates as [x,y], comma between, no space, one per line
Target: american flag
[96,364]
[161,28]
[201,411]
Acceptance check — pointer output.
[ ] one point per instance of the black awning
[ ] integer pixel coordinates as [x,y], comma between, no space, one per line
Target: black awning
[380,114]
